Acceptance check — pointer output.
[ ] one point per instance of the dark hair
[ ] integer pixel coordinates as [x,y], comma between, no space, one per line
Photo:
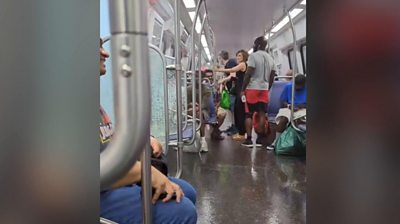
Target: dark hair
[260,43]
[224,55]
[300,79]
[244,54]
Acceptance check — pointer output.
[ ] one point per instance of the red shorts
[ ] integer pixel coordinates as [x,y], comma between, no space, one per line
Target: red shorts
[256,100]
[254,96]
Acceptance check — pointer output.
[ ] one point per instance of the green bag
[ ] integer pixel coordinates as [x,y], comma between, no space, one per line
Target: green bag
[291,143]
[225,99]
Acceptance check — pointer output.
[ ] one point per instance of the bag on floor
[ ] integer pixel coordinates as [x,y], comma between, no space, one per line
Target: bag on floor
[225,99]
[291,143]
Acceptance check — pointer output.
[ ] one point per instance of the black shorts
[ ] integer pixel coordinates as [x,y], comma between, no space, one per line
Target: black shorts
[256,107]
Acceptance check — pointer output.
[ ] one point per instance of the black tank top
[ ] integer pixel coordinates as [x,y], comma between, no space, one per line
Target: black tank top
[239,81]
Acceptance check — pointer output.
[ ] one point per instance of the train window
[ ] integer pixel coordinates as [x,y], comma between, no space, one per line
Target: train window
[291,58]
[157,32]
[304,57]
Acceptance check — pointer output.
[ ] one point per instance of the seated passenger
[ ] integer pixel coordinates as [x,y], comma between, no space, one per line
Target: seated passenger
[220,113]
[289,75]
[122,203]
[283,118]
[207,110]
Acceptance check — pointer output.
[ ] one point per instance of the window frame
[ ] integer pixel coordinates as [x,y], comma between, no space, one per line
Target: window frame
[289,58]
[303,57]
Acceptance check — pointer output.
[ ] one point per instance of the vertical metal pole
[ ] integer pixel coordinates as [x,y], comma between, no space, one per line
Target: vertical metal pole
[128,25]
[295,67]
[269,41]
[146,184]
[166,104]
[200,78]
[178,70]
[193,69]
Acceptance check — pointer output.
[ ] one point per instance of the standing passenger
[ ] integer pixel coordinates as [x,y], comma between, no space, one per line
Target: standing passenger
[239,110]
[258,78]
[229,83]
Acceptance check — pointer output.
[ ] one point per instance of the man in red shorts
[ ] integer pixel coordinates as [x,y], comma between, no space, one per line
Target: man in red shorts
[257,80]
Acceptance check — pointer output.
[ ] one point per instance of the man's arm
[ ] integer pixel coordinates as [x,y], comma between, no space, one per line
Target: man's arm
[159,182]
[133,176]
[247,75]
[156,147]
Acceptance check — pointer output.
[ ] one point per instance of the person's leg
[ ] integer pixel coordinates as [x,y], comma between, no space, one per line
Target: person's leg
[232,99]
[281,124]
[261,123]
[262,106]
[187,188]
[216,133]
[124,206]
[249,125]
[204,146]
[240,118]
[212,109]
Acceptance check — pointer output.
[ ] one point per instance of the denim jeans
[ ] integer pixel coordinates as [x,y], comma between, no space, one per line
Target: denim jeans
[124,206]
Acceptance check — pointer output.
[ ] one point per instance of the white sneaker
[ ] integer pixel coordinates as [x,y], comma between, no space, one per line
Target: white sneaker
[204,146]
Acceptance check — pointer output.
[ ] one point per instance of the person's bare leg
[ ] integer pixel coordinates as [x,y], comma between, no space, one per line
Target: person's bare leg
[280,127]
[204,146]
[216,134]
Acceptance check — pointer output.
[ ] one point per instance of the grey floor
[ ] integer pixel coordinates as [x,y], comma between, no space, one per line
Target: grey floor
[236,184]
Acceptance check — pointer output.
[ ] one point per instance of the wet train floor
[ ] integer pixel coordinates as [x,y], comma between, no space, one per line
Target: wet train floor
[236,184]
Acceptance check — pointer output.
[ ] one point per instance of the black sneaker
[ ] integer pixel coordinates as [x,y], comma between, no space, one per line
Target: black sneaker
[248,143]
[259,142]
[271,147]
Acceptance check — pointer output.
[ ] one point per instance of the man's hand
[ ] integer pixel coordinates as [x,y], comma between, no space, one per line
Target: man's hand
[156,146]
[162,184]
[242,94]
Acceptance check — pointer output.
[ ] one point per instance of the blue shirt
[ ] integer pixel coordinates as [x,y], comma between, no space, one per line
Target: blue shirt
[300,96]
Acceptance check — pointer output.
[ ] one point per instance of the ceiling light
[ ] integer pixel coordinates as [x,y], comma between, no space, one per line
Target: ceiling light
[285,20]
[198,26]
[203,41]
[295,12]
[267,35]
[189,3]
[207,52]
[192,14]
[303,2]
[280,24]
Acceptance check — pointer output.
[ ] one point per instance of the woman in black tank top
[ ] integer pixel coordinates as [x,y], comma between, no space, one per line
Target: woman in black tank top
[239,112]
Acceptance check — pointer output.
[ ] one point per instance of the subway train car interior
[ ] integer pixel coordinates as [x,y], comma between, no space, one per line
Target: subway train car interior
[203,111]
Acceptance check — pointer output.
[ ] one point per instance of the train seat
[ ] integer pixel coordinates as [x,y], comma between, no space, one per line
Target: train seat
[186,134]
[274,103]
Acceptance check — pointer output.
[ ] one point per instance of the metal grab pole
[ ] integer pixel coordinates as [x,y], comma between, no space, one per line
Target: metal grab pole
[295,69]
[200,78]
[269,41]
[146,184]
[193,70]
[128,25]
[178,70]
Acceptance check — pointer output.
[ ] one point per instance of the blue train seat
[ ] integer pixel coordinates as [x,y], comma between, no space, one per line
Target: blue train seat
[274,103]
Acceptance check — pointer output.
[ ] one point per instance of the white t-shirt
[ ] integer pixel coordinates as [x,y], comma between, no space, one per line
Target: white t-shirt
[263,64]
